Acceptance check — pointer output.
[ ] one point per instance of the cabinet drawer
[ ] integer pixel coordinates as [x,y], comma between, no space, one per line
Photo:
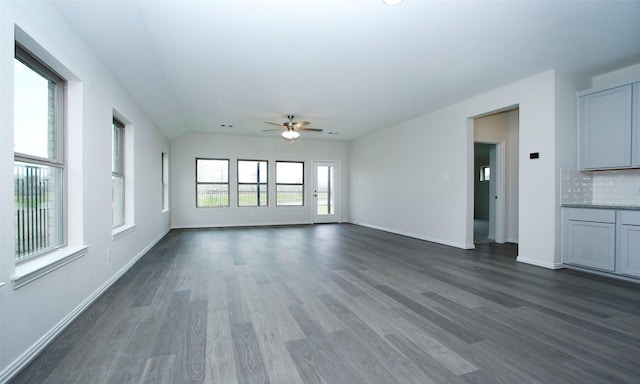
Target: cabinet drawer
[588,214]
[629,217]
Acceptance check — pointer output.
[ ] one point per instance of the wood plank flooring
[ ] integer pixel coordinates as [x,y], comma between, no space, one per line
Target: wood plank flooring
[345,304]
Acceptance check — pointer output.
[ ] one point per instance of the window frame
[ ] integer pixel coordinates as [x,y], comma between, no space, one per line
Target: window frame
[256,183]
[227,183]
[118,162]
[485,173]
[302,185]
[39,67]
[165,181]
[60,234]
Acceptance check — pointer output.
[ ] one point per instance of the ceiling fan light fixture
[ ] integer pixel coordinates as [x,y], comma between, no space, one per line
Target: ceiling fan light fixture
[290,135]
[392,2]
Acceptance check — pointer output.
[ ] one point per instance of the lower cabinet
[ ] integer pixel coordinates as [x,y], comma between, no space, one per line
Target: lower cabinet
[606,240]
[628,245]
[590,238]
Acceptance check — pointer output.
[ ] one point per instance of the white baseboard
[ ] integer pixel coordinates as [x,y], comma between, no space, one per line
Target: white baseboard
[239,225]
[539,263]
[420,237]
[27,356]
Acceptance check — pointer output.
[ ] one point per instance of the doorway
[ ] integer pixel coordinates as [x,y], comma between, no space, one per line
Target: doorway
[326,193]
[484,209]
[495,177]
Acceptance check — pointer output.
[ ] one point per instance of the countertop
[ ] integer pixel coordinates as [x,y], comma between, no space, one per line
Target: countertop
[601,206]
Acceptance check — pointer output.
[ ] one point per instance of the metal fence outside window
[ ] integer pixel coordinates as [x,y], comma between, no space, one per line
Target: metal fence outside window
[33,211]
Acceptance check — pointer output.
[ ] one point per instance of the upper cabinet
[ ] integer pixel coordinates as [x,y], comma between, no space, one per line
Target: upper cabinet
[608,129]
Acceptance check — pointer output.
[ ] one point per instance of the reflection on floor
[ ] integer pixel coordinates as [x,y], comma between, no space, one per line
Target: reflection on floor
[481,231]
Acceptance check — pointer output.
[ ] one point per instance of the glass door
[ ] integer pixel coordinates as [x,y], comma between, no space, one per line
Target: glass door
[326,192]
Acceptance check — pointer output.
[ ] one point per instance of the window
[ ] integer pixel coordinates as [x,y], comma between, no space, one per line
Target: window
[289,183]
[39,161]
[212,183]
[117,174]
[485,173]
[252,183]
[165,181]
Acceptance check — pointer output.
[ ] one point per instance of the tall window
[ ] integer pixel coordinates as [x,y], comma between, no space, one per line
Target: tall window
[39,161]
[117,173]
[165,181]
[212,183]
[252,183]
[289,183]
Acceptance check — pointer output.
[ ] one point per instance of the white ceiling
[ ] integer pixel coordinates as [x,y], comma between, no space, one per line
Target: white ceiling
[349,66]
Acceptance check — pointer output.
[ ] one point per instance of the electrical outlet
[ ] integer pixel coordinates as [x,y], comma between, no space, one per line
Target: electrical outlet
[638,190]
[108,253]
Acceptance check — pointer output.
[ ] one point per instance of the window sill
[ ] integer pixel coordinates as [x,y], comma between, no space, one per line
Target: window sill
[36,268]
[122,231]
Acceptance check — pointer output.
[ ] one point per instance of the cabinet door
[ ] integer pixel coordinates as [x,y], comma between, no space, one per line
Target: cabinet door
[629,250]
[635,124]
[591,244]
[604,121]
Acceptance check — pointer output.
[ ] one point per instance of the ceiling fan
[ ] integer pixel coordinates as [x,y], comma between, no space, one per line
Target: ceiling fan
[291,128]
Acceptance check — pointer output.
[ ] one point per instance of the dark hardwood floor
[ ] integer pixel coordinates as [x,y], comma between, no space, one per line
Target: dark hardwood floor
[345,304]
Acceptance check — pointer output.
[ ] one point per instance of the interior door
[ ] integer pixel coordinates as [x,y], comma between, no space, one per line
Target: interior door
[493,193]
[326,193]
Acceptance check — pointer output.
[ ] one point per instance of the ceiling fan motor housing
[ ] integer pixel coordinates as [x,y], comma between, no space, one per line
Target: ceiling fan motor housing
[289,124]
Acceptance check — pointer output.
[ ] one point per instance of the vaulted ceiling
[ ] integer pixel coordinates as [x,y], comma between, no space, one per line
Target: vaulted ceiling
[350,66]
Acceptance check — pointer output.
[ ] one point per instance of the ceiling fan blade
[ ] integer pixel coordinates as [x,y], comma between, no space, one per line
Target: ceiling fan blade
[310,129]
[271,130]
[301,124]
[268,122]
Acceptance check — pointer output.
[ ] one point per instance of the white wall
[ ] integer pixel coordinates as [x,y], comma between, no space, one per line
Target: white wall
[415,178]
[33,313]
[566,138]
[185,149]
[502,128]
[622,74]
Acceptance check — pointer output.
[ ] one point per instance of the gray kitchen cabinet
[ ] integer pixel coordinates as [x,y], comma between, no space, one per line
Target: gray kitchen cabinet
[605,125]
[635,126]
[590,238]
[628,246]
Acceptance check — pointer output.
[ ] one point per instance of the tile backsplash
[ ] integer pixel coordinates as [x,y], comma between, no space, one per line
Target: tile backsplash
[576,187]
[616,187]
[619,187]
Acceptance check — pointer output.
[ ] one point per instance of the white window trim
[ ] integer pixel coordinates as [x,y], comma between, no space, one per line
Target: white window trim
[122,230]
[36,268]
[32,269]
